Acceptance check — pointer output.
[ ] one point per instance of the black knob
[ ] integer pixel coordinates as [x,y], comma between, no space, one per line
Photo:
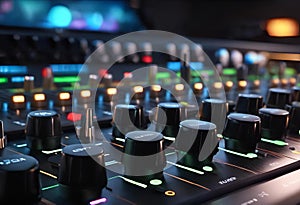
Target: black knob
[273,123]
[294,118]
[278,98]
[242,132]
[214,110]
[167,118]
[19,180]
[127,118]
[249,103]
[43,130]
[196,143]
[82,171]
[144,157]
[296,93]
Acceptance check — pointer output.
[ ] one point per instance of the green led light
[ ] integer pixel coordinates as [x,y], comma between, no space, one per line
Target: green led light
[3,80]
[207,168]
[156,182]
[276,142]
[219,136]
[207,72]
[229,71]
[249,155]
[66,79]
[289,71]
[50,187]
[162,75]
[186,168]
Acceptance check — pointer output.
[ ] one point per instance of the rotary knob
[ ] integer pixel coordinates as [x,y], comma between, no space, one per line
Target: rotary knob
[273,123]
[144,157]
[167,118]
[196,143]
[19,180]
[212,108]
[242,132]
[82,171]
[278,98]
[127,118]
[43,130]
[294,118]
[249,103]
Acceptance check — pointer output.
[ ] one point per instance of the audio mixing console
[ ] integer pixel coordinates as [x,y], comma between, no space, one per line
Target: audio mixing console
[53,153]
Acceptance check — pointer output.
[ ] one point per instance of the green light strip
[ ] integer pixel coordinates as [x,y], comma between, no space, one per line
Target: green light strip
[162,75]
[134,182]
[3,80]
[114,177]
[249,155]
[276,142]
[21,145]
[170,153]
[186,168]
[66,79]
[229,71]
[50,187]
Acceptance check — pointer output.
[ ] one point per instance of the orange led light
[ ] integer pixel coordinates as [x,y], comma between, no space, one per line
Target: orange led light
[138,89]
[18,98]
[242,83]
[85,93]
[218,85]
[39,97]
[275,81]
[111,91]
[256,83]
[179,87]
[156,88]
[293,81]
[282,27]
[284,81]
[229,84]
[198,86]
[64,96]
[170,193]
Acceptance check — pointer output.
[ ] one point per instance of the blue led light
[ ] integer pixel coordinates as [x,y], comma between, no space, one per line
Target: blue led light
[95,20]
[251,58]
[60,16]
[17,79]
[175,66]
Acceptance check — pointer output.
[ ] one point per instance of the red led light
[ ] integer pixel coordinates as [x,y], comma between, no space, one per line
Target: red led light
[74,117]
[127,75]
[147,59]
[102,72]
[47,72]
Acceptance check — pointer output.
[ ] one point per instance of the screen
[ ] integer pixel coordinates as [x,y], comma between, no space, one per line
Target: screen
[108,16]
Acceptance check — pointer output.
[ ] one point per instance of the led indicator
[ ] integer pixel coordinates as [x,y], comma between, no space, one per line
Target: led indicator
[98,201]
[3,80]
[229,84]
[127,75]
[156,182]
[242,83]
[179,87]
[29,78]
[248,155]
[39,97]
[229,71]
[18,99]
[256,83]
[156,88]
[207,168]
[138,89]
[66,79]
[85,93]
[218,85]
[64,96]
[186,168]
[147,59]
[111,91]
[74,117]
[170,193]
[276,142]
[134,182]
[198,86]
[50,187]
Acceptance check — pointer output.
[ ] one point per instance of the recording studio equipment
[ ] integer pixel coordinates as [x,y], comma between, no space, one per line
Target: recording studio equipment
[96,109]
